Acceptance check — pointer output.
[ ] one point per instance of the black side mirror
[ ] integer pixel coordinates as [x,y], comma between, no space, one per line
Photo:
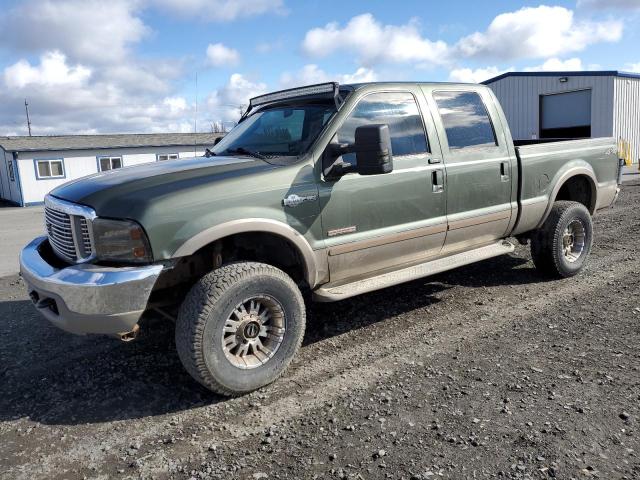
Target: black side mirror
[217,141]
[373,150]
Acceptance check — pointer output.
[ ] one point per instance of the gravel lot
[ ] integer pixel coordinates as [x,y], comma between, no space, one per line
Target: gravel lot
[489,371]
[18,226]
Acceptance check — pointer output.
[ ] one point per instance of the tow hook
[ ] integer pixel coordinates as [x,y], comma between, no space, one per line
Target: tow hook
[129,336]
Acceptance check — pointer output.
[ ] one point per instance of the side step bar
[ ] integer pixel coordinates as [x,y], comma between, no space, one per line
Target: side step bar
[330,293]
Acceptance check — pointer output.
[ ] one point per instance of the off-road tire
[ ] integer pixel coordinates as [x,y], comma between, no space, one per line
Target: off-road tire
[202,316]
[547,241]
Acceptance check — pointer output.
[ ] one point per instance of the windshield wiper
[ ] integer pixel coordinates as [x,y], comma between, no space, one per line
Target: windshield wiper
[244,151]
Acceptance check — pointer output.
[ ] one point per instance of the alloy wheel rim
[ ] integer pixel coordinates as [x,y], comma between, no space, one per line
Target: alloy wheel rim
[253,332]
[573,241]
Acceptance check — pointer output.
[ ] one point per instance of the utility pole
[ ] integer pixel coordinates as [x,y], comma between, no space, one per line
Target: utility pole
[26,108]
[195,120]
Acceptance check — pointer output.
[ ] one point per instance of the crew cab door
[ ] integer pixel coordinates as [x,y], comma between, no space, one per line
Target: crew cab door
[375,222]
[478,164]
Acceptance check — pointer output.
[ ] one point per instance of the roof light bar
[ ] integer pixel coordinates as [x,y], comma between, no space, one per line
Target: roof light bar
[330,88]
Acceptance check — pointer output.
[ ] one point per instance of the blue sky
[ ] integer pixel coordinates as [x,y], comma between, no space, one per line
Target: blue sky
[88,66]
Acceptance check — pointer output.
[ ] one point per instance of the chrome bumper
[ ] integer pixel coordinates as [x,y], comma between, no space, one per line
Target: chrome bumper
[87,298]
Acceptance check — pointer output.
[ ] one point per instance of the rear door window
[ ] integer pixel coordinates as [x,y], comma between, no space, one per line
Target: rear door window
[465,119]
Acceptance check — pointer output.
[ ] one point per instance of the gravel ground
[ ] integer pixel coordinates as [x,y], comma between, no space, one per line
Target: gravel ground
[19,225]
[488,371]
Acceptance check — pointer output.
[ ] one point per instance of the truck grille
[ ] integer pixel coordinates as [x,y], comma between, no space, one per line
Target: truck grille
[69,235]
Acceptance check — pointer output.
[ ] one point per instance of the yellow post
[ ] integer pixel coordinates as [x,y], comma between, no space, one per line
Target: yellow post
[627,153]
[624,151]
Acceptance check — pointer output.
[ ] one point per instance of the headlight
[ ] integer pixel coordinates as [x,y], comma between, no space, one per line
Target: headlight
[120,241]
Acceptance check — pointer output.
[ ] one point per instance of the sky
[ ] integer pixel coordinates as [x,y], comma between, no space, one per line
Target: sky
[144,66]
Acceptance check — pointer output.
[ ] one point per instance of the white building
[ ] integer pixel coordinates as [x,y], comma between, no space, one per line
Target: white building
[30,167]
[571,105]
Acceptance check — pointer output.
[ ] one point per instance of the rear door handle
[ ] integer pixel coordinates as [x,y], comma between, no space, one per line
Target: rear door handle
[434,160]
[437,181]
[504,171]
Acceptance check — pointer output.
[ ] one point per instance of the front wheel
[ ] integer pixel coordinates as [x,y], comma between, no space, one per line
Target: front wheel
[239,327]
[561,246]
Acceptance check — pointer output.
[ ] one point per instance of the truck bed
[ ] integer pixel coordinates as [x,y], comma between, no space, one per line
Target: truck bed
[542,166]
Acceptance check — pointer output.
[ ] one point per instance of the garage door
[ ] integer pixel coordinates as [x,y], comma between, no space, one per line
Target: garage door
[566,115]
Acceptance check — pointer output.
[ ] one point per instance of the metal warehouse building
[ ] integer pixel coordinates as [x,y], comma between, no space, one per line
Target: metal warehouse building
[547,105]
[30,167]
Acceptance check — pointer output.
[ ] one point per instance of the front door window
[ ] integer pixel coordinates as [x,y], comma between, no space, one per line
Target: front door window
[399,111]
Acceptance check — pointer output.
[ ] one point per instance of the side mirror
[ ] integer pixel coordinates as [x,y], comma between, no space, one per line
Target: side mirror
[373,150]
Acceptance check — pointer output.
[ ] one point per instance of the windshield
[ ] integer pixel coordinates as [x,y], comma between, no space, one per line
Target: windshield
[280,130]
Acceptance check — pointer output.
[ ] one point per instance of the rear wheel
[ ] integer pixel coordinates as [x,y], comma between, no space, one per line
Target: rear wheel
[240,326]
[561,246]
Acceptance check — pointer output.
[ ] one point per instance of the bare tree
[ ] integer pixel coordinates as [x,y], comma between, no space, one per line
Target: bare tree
[218,127]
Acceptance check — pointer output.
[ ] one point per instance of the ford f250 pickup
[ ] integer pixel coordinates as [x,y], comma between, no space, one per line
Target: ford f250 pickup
[330,189]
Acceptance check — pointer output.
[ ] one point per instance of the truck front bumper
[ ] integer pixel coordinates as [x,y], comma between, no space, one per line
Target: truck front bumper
[87,298]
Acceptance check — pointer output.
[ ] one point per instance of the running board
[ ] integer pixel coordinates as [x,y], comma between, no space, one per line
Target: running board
[332,294]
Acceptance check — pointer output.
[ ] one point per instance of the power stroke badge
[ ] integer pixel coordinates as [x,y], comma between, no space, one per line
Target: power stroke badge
[294,200]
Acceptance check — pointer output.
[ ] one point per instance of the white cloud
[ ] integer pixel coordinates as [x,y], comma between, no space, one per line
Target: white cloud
[176,104]
[468,75]
[74,98]
[478,75]
[374,42]
[555,64]
[311,73]
[141,77]
[361,75]
[221,10]
[531,32]
[219,55]
[633,67]
[609,4]
[537,32]
[87,79]
[53,70]
[86,30]
[227,102]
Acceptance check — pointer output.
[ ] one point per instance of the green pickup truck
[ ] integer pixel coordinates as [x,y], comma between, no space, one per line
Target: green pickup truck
[335,190]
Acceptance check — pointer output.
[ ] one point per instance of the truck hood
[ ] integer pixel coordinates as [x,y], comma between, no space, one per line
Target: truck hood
[107,192]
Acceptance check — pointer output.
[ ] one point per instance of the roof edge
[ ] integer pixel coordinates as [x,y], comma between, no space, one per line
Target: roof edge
[566,73]
[98,147]
[104,142]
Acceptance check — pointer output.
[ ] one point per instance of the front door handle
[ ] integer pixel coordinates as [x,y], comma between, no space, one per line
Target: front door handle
[504,171]
[437,181]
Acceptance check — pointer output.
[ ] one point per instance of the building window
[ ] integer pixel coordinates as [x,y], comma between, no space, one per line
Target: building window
[465,120]
[161,157]
[109,163]
[49,169]
[12,173]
